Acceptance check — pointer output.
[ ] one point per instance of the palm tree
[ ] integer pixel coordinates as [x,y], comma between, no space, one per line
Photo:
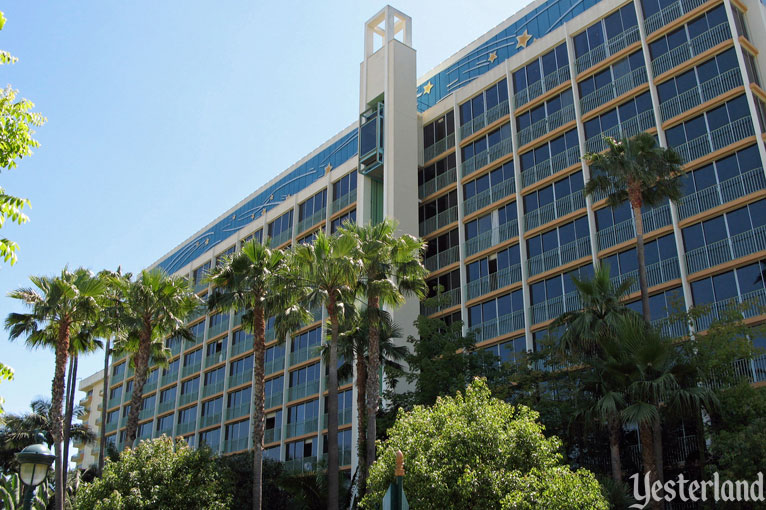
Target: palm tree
[392,269]
[585,333]
[63,305]
[326,273]
[637,170]
[250,283]
[156,306]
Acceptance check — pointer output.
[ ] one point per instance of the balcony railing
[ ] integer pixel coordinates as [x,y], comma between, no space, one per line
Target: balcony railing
[725,250]
[303,390]
[564,254]
[273,400]
[670,13]
[191,369]
[235,445]
[344,457]
[555,164]
[242,377]
[716,139]
[272,435]
[480,121]
[150,386]
[657,273]
[549,212]
[626,230]
[302,465]
[610,47]
[275,365]
[170,377]
[614,89]
[694,47]
[703,92]
[632,126]
[489,195]
[168,431]
[492,237]
[183,428]
[546,125]
[756,298]
[442,219]
[215,358]
[484,158]
[549,82]
[494,281]
[242,346]
[166,406]
[439,182]
[187,398]
[343,201]
[210,420]
[502,325]
[217,329]
[672,328]
[238,411]
[304,354]
[344,417]
[282,237]
[307,223]
[342,381]
[301,427]
[553,307]
[438,147]
[114,402]
[728,190]
[443,259]
[111,427]
[447,299]
[212,389]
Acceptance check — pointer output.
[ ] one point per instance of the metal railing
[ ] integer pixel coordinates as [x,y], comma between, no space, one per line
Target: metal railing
[242,346]
[447,299]
[553,307]
[212,389]
[441,181]
[703,92]
[546,125]
[484,158]
[442,259]
[240,378]
[183,428]
[165,406]
[215,358]
[756,298]
[187,398]
[304,354]
[238,411]
[549,212]
[502,325]
[169,377]
[207,421]
[718,194]
[312,220]
[672,328]
[492,237]
[632,126]
[727,249]
[670,13]
[438,147]
[690,49]
[301,427]
[342,202]
[610,47]
[657,273]
[303,390]
[536,89]
[491,282]
[614,89]
[442,219]
[626,230]
[484,119]
[235,445]
[716,139]
[498,191]
[275,365]
[564,254]
[555,164]
[344,457]
[191,369]
[302,465]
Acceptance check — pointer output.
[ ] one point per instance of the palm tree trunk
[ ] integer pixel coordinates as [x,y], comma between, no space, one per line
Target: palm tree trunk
[332,411]
[141,362]
[614,447]
[361,405]
[259,398]
[658,456]
[373,381]
[641,255]
[104,389]
[69,405]
[57,397]
[647,456]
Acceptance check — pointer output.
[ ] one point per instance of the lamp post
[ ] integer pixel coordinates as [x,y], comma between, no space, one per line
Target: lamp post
[34,462]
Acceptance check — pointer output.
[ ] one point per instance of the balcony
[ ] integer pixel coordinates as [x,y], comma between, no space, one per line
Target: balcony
[493,281]
[613,89]
[443,259]
[610,47]
[302,465]
[281,238]
[166,432]
[150,386]
[725,250]
[484,158]
[556,257]
[560,208]
[235,445]
[304,354]
[301,427]
[555,164]
[552,308]
[716,139]
[670,13]
[342,381]
[344,417]
[690,49]
[657,273]
[212,389]
[626,230]
[630,127]
[343,201]
[498,234]
[146,413]
[718,309]
[546,125]
[170,377]
[728,190]
[219,328]
[307,223]
[111,427]
[215,358]
[191,369]
[703,92]
[272,435]
[485,119]
[489,195]
[187,398]
[208,421]
[303,390]
[500,326]
[447,299]
[183,428]
[200,285]
[117,378]
[439,146]
[114,402]
[344,457]
[245,345]
[273,400]
[442,219]
[439,182]
[536,89]
[275,365]
[166,406]
[239,378]
[238,411]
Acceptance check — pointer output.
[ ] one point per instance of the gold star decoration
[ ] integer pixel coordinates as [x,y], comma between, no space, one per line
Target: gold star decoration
[233,216]
[523,39]
[427,88]
[207,241]
[492,57]
[252,216]
[327,168]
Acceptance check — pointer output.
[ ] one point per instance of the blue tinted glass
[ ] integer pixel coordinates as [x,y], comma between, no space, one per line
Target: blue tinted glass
[714,229]
[693,238]
[738,221]
[702,292]
[749,278]
[724,286]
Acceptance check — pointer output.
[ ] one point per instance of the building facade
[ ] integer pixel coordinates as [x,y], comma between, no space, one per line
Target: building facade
[93,387]
[482,157]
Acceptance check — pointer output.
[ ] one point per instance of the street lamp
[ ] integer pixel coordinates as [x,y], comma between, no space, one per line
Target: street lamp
[34,462]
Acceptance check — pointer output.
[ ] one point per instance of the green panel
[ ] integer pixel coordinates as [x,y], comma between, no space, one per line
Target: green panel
[376,211]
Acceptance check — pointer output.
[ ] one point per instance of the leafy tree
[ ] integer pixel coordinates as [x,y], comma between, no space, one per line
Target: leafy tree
[637,170]
[240,467]
[16,122]
[6,374]
[250,282]
[391,270]
[309,490]
[156,305]
[63,305]
[159,474]
[475,451]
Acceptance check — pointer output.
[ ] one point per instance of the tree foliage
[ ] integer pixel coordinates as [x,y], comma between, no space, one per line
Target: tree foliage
[475,451]
[6,374]
[12,493]
[159,474]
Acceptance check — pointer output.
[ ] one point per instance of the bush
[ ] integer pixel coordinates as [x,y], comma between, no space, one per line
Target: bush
[159,474]
[475,451]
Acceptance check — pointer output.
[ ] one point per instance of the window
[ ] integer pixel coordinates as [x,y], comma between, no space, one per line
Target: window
[344,186]
[479,226]
[148,402]
[340,220]
[172,367]
[740,282]
[215,348]
[281,225]
[198,330]
[118,370]
[303,449]
[447,282]
[547,67]
[273,420]
[304,375]
[303,412]
[490,98]
[549,194]
[488,181]
[212,407]
[490,310]
[557,286]
[553,150]
[275,353]
[439,206]
[442,244]
[619,30]
[193,358]
[439,129]
[238,430]
[165,423]
[211,437]
[239,398]
[683,35]
[558,237]
[273,387]
[199,274]
[168,395]
[215,376]
[724,226]
[547,109]
[219,320]
[613,122]
[444,166]
[219,259]
[306,341]
[722,170]
[493,264]
[608,76]
[739,22]
[751,67]
[656,250]
[242,365]
[486,142]
[314,205]
[344,443]
[115,393]
[190,387]
[240,336]
[708,122]
[112,416]
[188,415]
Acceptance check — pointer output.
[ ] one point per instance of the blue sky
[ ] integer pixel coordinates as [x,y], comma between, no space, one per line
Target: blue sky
[162,115]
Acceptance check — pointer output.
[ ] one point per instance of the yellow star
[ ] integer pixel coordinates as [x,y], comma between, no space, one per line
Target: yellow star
[327,168]
[252,216]
[233,216]
[492,56]
[427,88]
[207,241]
[523,39]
